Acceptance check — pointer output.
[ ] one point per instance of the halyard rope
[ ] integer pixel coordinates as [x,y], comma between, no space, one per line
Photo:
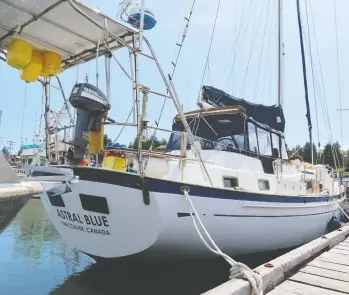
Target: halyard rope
[238,270]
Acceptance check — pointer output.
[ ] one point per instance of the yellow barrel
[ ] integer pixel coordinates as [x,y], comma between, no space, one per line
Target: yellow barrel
[120,164]
[32,71]
[52,64]
[108,162]
[19,54]
[115,161]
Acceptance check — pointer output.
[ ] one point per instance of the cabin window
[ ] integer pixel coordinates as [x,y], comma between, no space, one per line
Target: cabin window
[55,200]
[264,142]
[230,181]
[284,154]
[263,185]
[276,145]
[252,136]
[174,143]
[239,140]
[94,203]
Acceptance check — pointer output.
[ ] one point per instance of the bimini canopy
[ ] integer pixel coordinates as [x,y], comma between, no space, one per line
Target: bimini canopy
[272,116]
[60,26]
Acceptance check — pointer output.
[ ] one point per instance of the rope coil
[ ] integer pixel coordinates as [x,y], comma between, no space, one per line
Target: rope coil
[238,270]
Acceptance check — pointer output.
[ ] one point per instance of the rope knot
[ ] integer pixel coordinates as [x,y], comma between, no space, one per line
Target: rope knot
[241,271]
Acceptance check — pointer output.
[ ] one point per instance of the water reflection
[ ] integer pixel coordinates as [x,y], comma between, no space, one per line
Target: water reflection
[35,261]
[33,233]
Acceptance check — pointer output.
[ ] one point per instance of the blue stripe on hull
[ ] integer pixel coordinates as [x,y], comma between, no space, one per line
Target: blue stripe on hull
[183,214]
[272,216]
[171,187]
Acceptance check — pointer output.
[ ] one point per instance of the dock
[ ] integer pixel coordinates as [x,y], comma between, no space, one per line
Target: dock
[320,267]
[14,193]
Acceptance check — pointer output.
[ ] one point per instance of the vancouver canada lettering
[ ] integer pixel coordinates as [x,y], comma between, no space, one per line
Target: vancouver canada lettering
[76,221]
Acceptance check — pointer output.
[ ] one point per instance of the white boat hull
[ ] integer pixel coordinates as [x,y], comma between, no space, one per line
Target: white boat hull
[124,225]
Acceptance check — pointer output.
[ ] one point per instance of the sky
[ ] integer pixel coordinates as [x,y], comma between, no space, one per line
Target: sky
[242,61]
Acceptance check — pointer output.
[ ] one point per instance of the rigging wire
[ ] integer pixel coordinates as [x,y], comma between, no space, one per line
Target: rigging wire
[236,37]
[338,76]
[184,35]
[232,76]
[267,58]
[261,54]
[322,92]
[123,127]
[313,81]
[254,37]
[323,97]
[210,46]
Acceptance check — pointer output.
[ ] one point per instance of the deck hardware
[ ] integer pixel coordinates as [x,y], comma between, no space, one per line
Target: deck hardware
[145,190]
[269,265]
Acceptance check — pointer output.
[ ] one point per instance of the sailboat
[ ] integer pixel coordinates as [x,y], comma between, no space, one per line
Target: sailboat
[233,170]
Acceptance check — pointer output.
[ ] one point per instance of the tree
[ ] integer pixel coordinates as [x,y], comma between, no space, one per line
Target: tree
[107,139]
[332,154]
[346,160]
[305,152]
[151,141]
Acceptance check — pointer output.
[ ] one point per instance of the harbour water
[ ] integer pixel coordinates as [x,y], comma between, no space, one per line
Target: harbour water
[34,260]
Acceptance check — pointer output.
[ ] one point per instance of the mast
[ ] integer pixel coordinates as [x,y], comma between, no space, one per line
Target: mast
[305,82]
[280,56]
[280,64]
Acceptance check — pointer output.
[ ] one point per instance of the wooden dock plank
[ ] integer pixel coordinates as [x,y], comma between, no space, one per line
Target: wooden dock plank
[340,247]
[334,258]
[340,252]
[289,287]
[326,273]
[329,265]
[321,282]
[344,244]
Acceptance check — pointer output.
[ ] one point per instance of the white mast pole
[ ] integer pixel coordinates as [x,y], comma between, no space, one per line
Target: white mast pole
[141,25]
[280,56]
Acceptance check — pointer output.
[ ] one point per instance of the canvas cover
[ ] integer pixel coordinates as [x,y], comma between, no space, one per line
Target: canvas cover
[272,116]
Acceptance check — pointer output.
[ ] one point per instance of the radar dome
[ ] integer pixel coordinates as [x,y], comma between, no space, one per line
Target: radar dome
[134,18]
[131,12]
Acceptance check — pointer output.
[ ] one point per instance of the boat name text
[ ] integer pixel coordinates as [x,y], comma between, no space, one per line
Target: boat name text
[95,220]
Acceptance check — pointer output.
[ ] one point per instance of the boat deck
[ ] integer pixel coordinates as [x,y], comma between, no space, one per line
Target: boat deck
[327,274]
